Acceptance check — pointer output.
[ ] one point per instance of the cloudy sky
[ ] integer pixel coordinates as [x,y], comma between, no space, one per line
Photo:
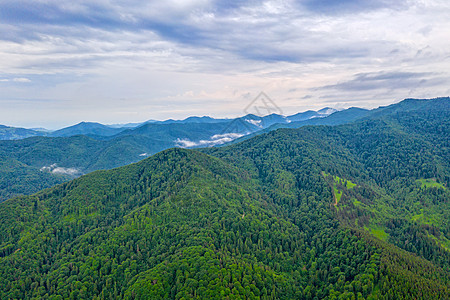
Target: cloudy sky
[115,61]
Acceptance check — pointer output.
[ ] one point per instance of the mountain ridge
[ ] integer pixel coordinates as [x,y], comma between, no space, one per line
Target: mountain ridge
[254,219]
[82,154]
[97,130]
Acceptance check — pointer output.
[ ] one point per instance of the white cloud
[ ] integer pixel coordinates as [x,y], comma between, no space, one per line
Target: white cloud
[21,79]
[53,168]
[254,122]
[66,171]
[217,139]
[17,79]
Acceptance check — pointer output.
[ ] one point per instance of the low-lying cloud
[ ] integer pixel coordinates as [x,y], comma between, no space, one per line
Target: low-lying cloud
[254,122]
[54,169]
[217,139]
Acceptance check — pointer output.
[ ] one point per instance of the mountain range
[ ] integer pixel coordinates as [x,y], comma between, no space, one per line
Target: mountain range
[44,158]
[97,129]
[38,162]
[357,208]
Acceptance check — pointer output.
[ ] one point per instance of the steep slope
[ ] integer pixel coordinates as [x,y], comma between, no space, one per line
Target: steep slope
[181,224]
[176,206]
[388,176]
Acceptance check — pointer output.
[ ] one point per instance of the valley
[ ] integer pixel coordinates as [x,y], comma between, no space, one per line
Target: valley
[352,211]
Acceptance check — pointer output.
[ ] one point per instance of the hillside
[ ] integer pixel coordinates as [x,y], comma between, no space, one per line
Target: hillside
[14,133]
[81,154]
[87,147]
[18,178]
[351,211]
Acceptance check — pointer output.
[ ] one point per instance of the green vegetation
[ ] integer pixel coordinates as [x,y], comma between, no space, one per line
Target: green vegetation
[378,232]
[429,183]
[339,185]
[103,147]
[91,153]
[17,178]
[11,133]
[254,220]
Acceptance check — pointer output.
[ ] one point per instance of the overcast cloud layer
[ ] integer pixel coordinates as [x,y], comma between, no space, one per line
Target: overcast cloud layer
[62,62]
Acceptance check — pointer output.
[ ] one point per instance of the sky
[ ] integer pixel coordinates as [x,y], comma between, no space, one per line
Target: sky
[108,61]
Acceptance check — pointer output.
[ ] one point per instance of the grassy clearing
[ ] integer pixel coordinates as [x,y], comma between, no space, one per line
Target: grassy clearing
[444,242]
[378,232]
[337,193]
[350,184]
[357,203]
[426,218]
[430,183]
[347,183]
[418,218]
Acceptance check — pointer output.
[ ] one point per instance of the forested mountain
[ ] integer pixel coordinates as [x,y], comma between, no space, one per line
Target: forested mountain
[81,154]
[194,132]
[17,178]
[15,133]
[85,147]
[355,211]
[310,114]
[204,119]
[61,158]
[97,130]
[86,128]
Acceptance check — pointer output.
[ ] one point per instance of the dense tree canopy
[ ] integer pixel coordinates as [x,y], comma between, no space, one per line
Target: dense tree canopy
[358,211]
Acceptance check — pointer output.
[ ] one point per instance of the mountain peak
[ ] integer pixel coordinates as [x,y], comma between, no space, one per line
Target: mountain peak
[327,111]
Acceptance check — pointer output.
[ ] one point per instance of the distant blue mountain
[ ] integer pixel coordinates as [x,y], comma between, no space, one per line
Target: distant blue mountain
[15,133]
[242,125]
[336,118]
[202,120]
[191,133]
[86,128]
[310,114]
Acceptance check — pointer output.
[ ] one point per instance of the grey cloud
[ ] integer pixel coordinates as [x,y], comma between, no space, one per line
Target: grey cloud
[351,6]
[250,31]
[386,80]
[58,12]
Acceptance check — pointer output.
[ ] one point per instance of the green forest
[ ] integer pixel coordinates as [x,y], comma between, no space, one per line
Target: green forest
[353,211]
